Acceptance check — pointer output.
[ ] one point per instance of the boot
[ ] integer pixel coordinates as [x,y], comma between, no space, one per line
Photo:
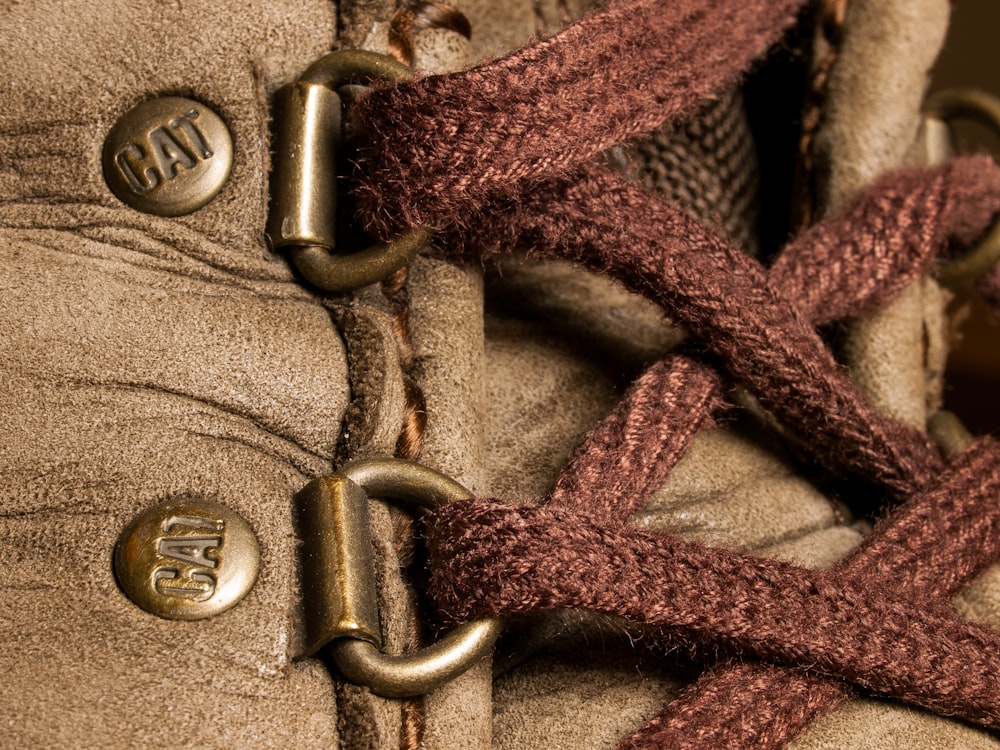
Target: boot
[175,381]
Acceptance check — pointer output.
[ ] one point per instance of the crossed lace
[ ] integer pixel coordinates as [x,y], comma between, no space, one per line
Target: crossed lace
[507,156]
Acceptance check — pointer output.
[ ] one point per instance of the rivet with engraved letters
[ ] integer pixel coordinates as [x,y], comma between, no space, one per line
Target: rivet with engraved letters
[168,156]
[187,559]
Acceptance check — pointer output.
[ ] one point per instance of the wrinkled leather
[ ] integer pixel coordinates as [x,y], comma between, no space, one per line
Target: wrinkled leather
[147,358]
[150,357]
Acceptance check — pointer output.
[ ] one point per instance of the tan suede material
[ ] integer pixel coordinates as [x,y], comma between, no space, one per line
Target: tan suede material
[734,489]
[937,330]
[498,27]
[581,697]
[885,353]
[871,121]
[592,310]
[145,359]
[446,310]
[372,423]
[358,19]
[152,357]
[541,398]
[872,118]
[817,549]
[877,725]
[447,321]
[552,15]
[441,50]
[980,602]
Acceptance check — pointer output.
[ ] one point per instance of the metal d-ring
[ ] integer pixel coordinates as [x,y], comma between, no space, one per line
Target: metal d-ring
[339,579]
[308,135]
[983,108]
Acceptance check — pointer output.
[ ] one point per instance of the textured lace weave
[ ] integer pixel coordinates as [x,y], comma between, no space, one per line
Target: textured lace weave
[499,157]
[709,166]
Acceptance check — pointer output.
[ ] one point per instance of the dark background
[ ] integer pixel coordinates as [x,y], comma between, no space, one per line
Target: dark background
[970,59]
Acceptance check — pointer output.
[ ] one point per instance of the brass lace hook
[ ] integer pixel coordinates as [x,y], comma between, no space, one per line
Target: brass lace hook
[308,135]
[983,108]
[339,578]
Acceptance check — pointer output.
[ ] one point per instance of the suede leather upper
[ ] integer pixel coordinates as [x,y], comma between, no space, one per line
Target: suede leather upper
[144,359]
[147,358]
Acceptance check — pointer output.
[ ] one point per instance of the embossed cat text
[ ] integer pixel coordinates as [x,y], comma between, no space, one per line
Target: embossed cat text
[161,153]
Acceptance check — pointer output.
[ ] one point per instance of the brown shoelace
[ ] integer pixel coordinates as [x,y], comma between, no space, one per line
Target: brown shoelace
[499,157]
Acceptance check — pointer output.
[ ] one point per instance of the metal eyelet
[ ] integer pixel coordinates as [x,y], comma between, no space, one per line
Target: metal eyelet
[339,578]
[983,108]
[308,134]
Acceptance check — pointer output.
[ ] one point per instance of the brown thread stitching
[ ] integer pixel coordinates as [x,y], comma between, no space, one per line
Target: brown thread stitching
[408,445]
[412,714]
[411,435]
[832,23]
[411,736]
[410,18]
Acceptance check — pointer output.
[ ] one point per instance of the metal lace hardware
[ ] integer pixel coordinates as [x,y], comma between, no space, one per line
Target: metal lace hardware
[339,578]
[940,110]
[308,137]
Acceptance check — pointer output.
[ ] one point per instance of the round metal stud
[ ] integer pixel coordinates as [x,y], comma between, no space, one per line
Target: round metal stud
[168,156]
[187,559]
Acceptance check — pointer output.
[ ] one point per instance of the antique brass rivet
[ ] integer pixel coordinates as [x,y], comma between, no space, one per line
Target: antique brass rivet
[187,559]
[168,156]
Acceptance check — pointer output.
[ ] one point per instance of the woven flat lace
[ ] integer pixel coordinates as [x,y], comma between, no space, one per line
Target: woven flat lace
[507,156]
